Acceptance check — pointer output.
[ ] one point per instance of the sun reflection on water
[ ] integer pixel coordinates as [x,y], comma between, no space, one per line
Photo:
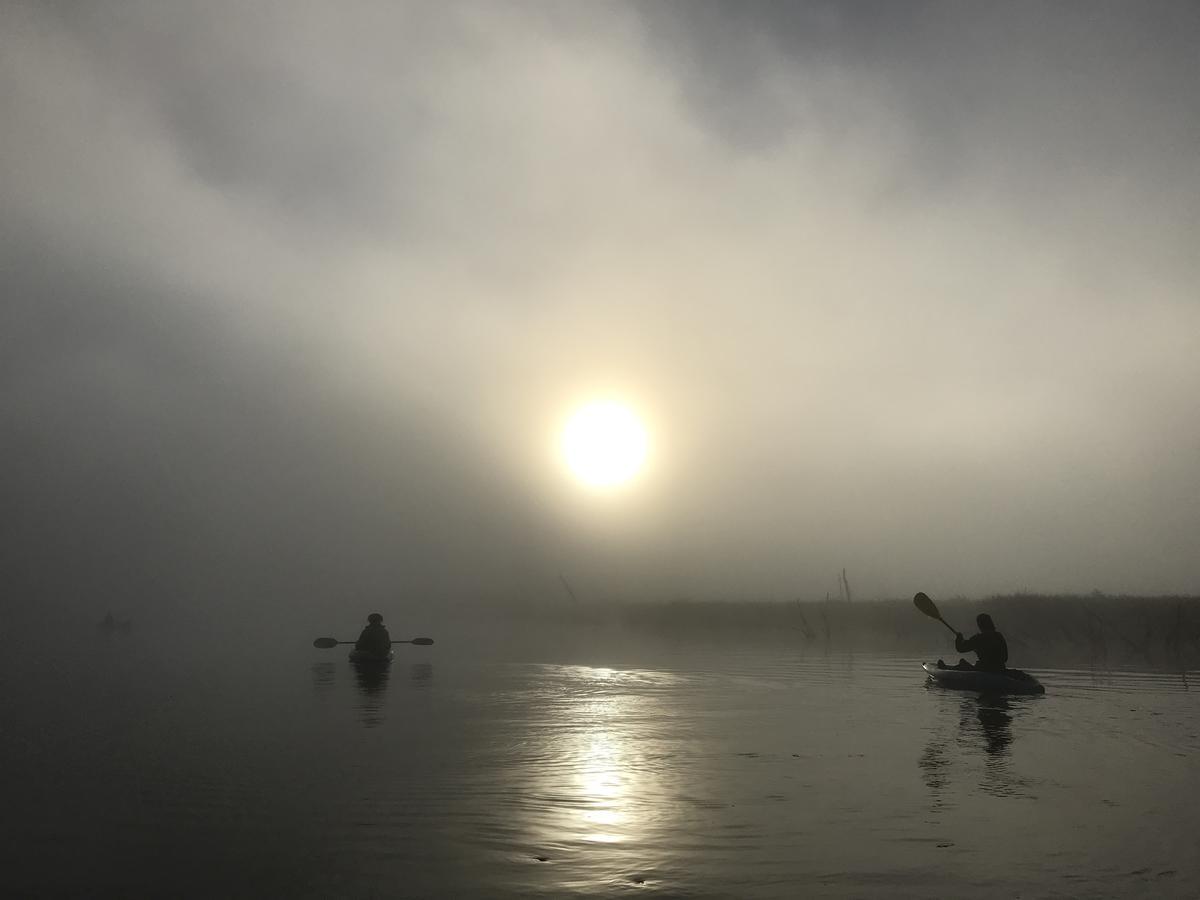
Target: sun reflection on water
[597,739]
[602,788]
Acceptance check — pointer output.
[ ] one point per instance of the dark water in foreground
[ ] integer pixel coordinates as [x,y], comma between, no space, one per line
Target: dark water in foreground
[657,771]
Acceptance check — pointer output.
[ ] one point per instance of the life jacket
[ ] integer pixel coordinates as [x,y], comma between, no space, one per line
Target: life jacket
[374,639]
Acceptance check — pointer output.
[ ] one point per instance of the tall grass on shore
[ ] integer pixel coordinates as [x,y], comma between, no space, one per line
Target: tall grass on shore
[1092,631]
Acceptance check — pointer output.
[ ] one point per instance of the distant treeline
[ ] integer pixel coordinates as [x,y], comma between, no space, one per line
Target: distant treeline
[1061,630]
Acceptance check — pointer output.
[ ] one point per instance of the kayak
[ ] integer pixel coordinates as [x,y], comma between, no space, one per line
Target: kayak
[366,656]
[1010,681]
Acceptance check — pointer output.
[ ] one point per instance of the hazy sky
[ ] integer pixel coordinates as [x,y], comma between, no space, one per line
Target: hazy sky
[295,297]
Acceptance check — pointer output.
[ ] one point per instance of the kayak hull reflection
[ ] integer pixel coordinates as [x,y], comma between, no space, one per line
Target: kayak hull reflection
[365,657]
[1011,681]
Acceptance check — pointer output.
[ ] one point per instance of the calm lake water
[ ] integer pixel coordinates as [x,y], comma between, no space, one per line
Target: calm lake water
[544,768]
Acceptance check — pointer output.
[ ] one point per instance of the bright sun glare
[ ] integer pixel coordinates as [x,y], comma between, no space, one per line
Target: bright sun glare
[604,444]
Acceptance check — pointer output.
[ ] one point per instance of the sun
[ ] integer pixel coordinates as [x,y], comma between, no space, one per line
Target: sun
[604,444]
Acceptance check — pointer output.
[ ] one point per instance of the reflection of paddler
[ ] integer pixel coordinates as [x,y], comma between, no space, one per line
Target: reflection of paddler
[372,676]
[996,721]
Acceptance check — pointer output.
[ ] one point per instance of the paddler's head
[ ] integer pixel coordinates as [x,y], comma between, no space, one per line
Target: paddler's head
[985,623]
[375,619]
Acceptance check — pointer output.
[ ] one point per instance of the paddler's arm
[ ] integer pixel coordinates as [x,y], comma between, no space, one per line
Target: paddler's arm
[962,644]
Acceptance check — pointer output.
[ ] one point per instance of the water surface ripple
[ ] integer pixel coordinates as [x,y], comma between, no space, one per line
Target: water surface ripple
[698,772]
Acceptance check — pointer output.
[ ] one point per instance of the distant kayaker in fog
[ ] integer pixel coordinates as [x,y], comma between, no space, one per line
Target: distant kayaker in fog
[375,637]
[989,645]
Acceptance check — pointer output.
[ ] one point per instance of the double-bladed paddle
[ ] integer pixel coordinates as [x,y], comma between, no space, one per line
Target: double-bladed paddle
[326,643]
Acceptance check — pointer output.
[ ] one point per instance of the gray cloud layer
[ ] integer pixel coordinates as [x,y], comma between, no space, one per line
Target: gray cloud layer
[294,297]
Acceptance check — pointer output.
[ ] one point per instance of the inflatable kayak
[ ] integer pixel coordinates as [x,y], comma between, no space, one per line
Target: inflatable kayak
[366,656]
[1010,681]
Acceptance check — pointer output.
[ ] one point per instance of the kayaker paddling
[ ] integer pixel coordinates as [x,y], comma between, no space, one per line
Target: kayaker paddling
[991,674]
[989,646]
[374,639]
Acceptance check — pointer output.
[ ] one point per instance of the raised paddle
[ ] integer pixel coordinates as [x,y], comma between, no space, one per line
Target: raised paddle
[922,602]
[326,643]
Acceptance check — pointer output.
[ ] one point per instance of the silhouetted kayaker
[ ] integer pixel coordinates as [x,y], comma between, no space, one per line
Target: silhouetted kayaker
[989,645]
[375,637]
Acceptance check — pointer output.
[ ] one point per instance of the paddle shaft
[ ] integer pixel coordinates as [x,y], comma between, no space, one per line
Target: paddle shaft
[948,625]
[327,643]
